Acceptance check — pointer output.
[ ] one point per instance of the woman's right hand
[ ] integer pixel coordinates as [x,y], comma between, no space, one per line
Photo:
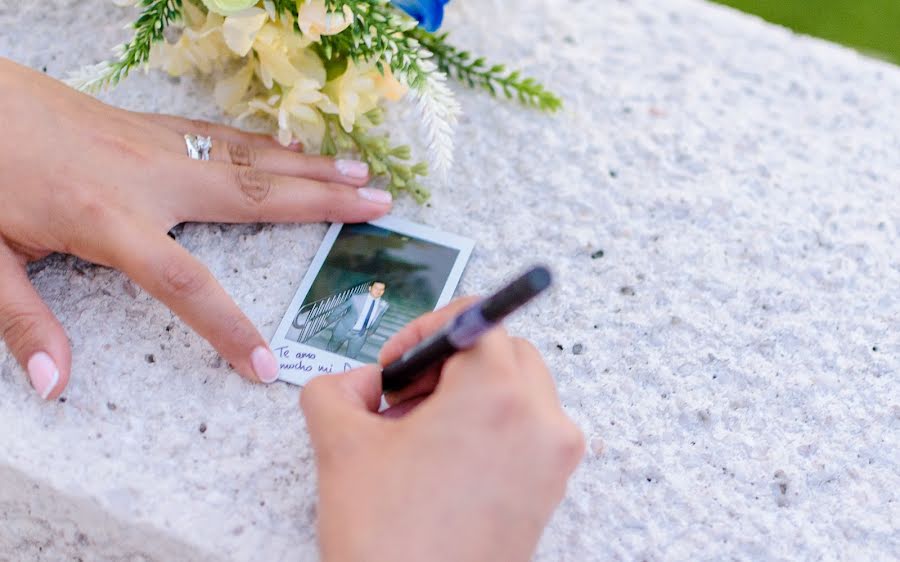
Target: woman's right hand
[472,472]
[80,177]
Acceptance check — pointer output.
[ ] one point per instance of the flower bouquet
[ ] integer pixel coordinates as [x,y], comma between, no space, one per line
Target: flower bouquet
[321,72]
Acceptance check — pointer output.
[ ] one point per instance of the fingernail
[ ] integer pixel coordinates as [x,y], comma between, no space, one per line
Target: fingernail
[375,195]
[296,145]
[43,373]
[265,366]
[352,168]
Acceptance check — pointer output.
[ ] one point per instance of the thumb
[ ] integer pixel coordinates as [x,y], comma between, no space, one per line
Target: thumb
[335,405]
[34,336]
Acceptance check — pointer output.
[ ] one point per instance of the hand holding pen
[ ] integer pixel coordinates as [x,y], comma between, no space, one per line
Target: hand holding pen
[473,473]
[409,373]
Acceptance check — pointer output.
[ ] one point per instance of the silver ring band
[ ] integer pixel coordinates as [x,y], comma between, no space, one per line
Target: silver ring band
[198,147]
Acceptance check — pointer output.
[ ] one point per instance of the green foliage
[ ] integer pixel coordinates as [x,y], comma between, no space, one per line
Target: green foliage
[282,6]
[155,16]
[378,32]
[376,150]
[477,74]
[867,25]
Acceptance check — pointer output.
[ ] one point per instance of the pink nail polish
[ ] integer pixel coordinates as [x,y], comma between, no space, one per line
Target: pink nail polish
[43,373]
[264,364]
[375,195]
[352,168]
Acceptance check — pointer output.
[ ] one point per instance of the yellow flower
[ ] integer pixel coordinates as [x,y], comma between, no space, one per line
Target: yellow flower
[315,20]
[354,92]
[200,46]
[297,113]
[298,117]
[240,30]
[283,55]
[388,86]
[230,92]
[280,76]
[228,7]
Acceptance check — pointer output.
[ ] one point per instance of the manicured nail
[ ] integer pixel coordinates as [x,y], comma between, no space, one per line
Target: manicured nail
[296,146]
[43,373]
[376,195]
[264,364]
[352,168]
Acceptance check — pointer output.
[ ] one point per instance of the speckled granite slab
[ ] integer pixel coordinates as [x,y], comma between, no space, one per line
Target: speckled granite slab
[720,202]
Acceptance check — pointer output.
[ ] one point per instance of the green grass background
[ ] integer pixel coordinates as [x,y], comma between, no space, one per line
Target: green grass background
[870,26]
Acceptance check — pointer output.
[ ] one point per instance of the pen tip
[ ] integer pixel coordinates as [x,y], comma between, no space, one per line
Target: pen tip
[539,278]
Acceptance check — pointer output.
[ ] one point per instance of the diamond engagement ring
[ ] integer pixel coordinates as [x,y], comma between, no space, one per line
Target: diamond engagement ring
[198,147]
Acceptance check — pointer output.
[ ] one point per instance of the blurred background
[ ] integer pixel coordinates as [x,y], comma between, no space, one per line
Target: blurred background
[870,26]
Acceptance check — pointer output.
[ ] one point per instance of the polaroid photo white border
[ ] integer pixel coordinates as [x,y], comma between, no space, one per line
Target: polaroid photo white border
[300,363]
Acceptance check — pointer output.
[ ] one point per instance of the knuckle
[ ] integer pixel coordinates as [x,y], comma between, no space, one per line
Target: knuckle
[529,354]
[241,154]
[569,444]
[182,280]
[335,210]
[331,214]
[523,346]
[93,212]
[84,205]
[199,127]
[18,324]
[506,406]
[253,184]
[239,329]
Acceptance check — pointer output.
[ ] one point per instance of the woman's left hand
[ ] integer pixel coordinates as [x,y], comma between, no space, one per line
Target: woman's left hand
[81,177]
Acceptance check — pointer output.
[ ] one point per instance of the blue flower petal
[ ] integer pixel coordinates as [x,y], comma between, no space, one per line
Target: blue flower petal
[429,13]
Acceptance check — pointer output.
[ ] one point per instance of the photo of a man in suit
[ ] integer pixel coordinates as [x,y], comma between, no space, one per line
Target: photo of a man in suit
[357,319]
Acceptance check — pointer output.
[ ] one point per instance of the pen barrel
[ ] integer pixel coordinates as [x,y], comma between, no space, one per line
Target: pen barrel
[516,294]
[464,331]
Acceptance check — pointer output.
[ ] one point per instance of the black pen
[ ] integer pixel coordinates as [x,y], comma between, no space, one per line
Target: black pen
[464,331]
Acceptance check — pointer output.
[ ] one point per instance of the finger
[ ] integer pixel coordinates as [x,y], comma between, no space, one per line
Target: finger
[491,362]
[173,276]
[280,161]
[219,192]
[403,408]
[33,334]
[184,126]
[421,387]
[421,328]
[533,367]
[411,335]
[275,159]
[333,404]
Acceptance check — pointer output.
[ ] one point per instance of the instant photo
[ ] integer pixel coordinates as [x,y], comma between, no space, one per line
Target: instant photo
[366,282]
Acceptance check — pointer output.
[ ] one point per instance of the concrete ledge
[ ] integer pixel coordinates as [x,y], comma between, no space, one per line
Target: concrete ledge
[737,377]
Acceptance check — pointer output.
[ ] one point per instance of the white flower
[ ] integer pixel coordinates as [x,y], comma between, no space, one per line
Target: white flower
[438,114]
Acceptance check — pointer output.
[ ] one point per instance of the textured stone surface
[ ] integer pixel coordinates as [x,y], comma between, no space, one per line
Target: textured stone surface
[737,378]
